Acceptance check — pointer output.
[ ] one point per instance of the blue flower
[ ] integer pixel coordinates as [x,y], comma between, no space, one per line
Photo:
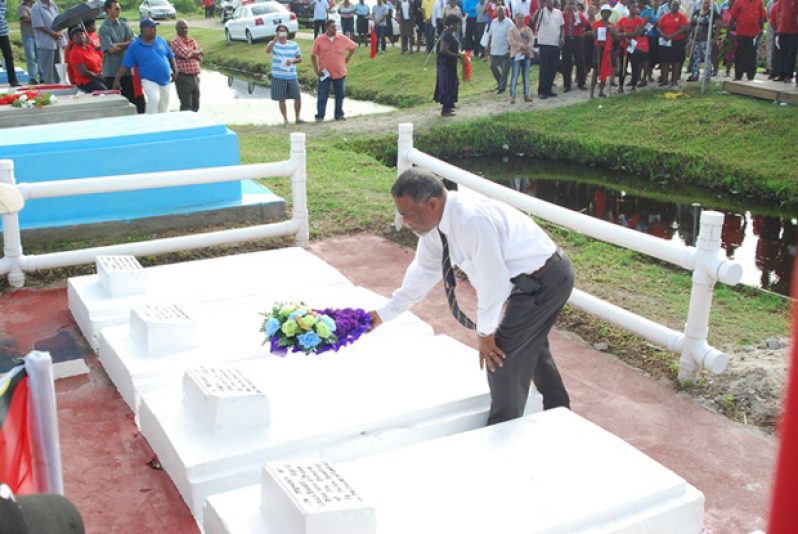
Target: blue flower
[272,325]
[328,322]
[298,313]
[309,340]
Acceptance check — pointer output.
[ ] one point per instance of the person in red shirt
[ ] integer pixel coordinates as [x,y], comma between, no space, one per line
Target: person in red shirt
[747,17]
[604,34]
[673,28]
[86,63]
[787,36]
[573,48]
[91,34]
[634,45]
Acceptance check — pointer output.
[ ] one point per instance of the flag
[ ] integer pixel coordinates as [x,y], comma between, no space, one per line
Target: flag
[606,57]
[783,518]
[467,66]
[373,43]
[16,467]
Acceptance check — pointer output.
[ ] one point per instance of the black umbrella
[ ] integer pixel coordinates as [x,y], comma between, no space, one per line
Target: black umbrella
[75,15]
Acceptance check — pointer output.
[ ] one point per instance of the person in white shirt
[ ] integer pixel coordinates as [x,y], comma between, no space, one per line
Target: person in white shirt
[499,49]
[320,10]
[521,6]
[549,29]
[522,281]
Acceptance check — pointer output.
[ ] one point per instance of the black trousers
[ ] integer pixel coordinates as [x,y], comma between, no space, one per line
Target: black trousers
[745,58]
[93,85]
[8,58]
[573,54]
[549,58]
[188,91]
[319,27]
[128,92]
[789,45]
[470,33]
[530,313]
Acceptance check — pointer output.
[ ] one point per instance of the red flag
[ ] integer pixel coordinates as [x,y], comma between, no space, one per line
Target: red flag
[373,43]
[467,66]
[137,90]
[783,518]
[16,468]
[606,58]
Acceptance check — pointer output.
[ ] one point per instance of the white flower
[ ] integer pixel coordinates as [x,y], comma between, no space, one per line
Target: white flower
[53,99]
[23,98]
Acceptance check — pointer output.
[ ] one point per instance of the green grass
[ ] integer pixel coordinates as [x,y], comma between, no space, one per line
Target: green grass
[392,78]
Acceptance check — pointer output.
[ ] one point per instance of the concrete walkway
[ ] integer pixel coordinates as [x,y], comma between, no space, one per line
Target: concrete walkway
[110,474]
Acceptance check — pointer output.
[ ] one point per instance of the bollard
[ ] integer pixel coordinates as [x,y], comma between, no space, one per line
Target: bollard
[402,163]
[299,189]
[47,460]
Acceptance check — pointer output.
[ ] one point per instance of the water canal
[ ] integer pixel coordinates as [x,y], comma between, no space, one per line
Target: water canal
[759,237]
[233,100]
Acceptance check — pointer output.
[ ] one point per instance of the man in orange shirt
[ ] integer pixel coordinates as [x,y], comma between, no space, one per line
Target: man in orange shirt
[747,17]
[86,63]
[331,52]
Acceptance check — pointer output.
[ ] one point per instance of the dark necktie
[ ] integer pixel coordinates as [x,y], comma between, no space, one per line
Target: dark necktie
[449,284]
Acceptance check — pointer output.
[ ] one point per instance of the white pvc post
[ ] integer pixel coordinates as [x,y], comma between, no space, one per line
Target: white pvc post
[12,240]
[299,189]
[696,353]
[44,430]
[404,145]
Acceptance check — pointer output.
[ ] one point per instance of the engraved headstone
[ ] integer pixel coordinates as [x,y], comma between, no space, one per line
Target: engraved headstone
[224,399]
[162,329]
[120,276]
[311,497]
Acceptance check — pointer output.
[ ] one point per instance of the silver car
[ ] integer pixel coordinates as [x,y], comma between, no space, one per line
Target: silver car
[157,9]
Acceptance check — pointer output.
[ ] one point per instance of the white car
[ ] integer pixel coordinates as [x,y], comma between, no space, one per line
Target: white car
[259,21]
[335,16]
[157,9]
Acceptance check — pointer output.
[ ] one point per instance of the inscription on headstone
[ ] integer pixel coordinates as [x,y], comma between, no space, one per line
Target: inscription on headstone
[159,329]
[162,313]
[121,276]
[224,399]
[316,486]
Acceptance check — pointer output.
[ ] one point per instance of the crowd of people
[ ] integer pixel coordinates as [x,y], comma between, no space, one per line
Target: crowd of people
[112,58]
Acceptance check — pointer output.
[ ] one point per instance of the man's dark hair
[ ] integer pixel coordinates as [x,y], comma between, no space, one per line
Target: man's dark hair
[109,4]
[451,20]
[418,184]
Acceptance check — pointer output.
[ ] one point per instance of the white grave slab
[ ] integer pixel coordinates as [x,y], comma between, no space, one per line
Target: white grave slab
[94,306]
[311,497]
[162,328]
[228,332]
[370,396]
[552,472]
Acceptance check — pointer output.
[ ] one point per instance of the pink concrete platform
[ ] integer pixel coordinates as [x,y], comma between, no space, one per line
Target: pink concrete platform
[109,475]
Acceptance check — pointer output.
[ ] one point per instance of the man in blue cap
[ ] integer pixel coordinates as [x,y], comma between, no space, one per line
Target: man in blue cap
[156,65]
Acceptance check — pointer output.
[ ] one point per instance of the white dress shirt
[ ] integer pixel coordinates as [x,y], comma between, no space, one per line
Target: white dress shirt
[549,26]
[499,46]
[490,241]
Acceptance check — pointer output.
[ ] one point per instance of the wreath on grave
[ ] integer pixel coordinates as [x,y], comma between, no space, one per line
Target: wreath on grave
[302,329]
[28,99]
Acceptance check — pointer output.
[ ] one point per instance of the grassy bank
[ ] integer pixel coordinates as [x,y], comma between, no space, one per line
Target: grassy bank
[392,78]
[737,146]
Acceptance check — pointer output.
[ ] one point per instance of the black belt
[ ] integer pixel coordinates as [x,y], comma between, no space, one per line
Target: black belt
[537,275]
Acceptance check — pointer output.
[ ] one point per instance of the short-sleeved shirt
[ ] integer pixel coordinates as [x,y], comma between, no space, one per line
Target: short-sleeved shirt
[549,25]
[151,59]
[630,25]
[25,28]
[362,10]
[380,12]
[702,21]
[42,17]
[749,15]
[280,54]
[3,21]
[320,9]
[670,24]
[89,57]
[112,33]
[499,45]
[331,54]
[575,23]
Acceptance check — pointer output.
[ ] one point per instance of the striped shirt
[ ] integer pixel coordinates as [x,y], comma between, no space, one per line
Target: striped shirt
[280,54]
[3,21]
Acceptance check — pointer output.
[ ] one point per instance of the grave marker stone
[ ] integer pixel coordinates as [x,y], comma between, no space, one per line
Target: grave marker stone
[120,276]
[159,328]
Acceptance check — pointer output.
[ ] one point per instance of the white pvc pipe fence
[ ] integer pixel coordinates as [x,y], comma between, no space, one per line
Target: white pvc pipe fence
[13,196]
[705,260]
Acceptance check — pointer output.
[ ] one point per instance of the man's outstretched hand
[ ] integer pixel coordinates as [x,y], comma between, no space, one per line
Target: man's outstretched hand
[375,320]
[490,353]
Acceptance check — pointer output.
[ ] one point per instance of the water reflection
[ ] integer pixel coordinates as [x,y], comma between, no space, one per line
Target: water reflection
[233,100]
[764,243]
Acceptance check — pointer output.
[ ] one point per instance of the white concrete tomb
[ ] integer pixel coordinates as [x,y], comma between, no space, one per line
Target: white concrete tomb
[553,472]
[120,276]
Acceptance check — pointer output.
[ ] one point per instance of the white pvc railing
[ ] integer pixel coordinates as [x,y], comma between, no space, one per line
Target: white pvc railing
[705,260]
[13,196]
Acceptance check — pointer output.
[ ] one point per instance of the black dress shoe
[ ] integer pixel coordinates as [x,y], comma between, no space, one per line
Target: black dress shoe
[551,95]
[567,90]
